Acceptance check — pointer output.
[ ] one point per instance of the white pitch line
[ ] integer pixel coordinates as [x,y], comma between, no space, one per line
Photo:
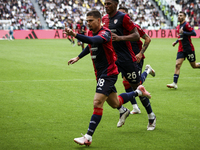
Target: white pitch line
[65,80]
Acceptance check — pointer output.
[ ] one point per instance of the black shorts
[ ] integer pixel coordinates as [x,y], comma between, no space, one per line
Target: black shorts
[106,85]
[78,41]
[140,65]
[190,56]
[130,71]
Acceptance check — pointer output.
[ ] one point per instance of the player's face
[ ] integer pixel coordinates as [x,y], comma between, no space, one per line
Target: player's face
[181,17]
[93,23]
[110,6]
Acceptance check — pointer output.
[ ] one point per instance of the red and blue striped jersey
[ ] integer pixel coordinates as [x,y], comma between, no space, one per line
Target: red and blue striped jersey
[121,25]
[78,27]
[186,43]
[103,55]
[83,27]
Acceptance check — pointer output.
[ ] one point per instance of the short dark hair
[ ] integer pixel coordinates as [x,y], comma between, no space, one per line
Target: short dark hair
[95,13]
[116,1]
[183,13]
[124,8]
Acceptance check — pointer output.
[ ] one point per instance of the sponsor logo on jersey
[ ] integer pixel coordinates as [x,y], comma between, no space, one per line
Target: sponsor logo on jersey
[93,56]
[94,49]
[113,30]
[105,34]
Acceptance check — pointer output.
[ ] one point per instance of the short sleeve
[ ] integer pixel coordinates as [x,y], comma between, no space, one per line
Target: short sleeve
[128,24]
[106,35]
[188,27]
[140,31]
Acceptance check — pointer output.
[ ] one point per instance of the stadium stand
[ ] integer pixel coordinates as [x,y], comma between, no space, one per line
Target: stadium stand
[56,12]
[170,9]
[145,14]
[149,14]
[191,8]
[20,12]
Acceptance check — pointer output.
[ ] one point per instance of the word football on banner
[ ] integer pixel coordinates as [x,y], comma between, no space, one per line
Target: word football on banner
[58,34]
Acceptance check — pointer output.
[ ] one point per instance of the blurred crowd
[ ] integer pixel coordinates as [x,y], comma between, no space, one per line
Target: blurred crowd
[21,13]
[170,9]
[145,14]
[55,12]
[191,8]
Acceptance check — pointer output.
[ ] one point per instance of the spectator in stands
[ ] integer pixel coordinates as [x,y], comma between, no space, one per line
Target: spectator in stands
[145,14]
[191,8]
[56,12]
[20,12]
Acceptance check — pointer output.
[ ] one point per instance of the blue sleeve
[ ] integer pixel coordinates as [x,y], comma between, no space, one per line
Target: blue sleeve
[192,33]
[84,52]
[89,40]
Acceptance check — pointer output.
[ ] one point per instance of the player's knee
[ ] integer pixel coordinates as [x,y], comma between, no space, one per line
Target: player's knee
[178,65]
[97,103]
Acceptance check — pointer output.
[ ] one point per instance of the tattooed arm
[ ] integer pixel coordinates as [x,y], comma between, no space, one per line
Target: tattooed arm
[146,44]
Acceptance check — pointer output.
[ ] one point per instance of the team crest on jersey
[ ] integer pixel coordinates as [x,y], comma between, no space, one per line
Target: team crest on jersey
[115,21]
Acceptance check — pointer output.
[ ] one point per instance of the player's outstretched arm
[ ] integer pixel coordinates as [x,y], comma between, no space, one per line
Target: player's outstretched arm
[81,55]
[69,31]
[174,43]
[73,60]
[84,52]
[85,39]
[191,33]
[90,40]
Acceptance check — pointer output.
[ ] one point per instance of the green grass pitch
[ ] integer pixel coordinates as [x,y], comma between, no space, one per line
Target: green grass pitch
[45,104]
